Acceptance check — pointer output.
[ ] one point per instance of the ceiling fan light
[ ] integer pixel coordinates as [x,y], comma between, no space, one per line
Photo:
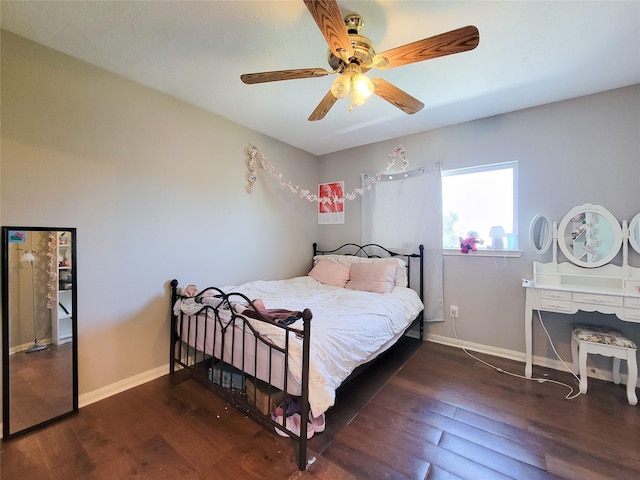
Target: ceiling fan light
[362,89]
[341,86]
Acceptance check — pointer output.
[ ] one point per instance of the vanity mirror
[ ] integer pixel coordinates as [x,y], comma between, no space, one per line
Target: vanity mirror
[589,236]
[540,233]
[634,233]
[39,327]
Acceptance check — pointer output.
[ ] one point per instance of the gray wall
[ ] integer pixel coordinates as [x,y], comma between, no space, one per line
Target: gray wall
[585,150]
[156,190]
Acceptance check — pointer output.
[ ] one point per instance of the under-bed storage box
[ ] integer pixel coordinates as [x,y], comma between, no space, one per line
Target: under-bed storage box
[263,395]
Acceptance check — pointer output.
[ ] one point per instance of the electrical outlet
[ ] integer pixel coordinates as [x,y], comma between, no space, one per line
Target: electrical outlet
[453,311]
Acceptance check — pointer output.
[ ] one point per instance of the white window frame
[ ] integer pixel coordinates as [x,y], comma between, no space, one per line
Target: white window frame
[447,250]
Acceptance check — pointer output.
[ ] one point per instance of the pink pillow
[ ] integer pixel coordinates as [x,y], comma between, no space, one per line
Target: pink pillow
[372,277]
[330,273]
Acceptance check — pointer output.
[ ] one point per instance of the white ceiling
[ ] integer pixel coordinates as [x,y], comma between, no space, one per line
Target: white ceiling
[530,53]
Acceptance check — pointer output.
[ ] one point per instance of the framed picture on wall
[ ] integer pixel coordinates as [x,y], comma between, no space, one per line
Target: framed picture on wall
[331,211]
[17,236]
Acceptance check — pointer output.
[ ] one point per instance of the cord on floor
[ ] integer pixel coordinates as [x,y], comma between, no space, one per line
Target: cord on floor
[570,396]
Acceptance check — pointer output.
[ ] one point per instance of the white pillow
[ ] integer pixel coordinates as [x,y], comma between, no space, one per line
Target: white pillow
[330,273]
[401,269]
[372,277]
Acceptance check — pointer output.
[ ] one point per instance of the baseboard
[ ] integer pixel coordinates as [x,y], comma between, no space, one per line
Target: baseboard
[477,347]
[144,377]
[121,386]
[521,357]
[25,346]
[118,387]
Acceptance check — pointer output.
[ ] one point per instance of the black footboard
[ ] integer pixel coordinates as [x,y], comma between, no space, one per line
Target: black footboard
[243,359]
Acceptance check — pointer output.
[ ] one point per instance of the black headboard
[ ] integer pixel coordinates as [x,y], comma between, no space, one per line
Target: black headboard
[373,250]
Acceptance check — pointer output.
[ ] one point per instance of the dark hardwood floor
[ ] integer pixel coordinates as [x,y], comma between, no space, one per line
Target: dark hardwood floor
[424,412]
[41,385]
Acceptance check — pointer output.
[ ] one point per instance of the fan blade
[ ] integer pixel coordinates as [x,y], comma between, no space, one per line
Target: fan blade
[327,15]
[323,107]
[396,97]
[455,41]
[277,75]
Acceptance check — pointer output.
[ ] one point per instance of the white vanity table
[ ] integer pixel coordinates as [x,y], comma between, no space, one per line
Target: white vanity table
[590,237]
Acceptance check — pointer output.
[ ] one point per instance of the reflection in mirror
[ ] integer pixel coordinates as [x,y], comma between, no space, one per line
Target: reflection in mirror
[589,236]
[39,298]
[634,233]
[540,233]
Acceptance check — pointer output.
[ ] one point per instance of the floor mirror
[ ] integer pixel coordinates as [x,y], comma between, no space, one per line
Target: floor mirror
[39,327]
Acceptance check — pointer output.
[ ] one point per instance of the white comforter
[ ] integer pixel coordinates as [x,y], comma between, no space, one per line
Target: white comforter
[348,328]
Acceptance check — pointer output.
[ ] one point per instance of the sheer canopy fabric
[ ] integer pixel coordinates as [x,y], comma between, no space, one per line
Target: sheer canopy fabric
[402,211]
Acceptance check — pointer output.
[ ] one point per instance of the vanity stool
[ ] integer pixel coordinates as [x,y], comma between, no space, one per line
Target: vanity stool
[610,343]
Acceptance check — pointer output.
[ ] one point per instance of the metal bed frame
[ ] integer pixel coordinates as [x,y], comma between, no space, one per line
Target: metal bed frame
[230,330]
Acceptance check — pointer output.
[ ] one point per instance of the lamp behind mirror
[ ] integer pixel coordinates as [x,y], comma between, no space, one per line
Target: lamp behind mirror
[29,258]
[39,327]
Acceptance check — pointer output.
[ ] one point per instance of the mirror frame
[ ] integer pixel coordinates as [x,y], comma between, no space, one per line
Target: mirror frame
[6,394]
[610,219]
[544,222]
[633,240]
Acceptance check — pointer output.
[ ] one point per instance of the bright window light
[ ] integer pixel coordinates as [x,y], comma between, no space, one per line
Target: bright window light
[477,199]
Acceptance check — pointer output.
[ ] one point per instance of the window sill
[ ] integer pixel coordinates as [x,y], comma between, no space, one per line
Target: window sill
[452,252]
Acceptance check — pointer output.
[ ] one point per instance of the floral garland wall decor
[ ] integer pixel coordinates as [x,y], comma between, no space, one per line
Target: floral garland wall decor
[256,159]
[52,269]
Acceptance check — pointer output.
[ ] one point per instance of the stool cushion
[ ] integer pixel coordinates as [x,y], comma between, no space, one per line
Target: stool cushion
[604,335]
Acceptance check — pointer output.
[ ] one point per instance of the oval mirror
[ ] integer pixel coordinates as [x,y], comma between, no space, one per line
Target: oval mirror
[540,233]
[634,233]
[589,236]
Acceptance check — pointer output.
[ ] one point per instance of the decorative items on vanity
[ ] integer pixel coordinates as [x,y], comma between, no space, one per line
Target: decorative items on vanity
[589,237]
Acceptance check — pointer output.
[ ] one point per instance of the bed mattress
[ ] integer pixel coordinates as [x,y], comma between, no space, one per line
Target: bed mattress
[349,328]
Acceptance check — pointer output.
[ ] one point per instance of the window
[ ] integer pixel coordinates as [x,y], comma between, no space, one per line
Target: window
[477,199]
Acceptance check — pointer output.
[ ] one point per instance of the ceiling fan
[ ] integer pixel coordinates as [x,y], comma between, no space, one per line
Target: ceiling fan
[351,55]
